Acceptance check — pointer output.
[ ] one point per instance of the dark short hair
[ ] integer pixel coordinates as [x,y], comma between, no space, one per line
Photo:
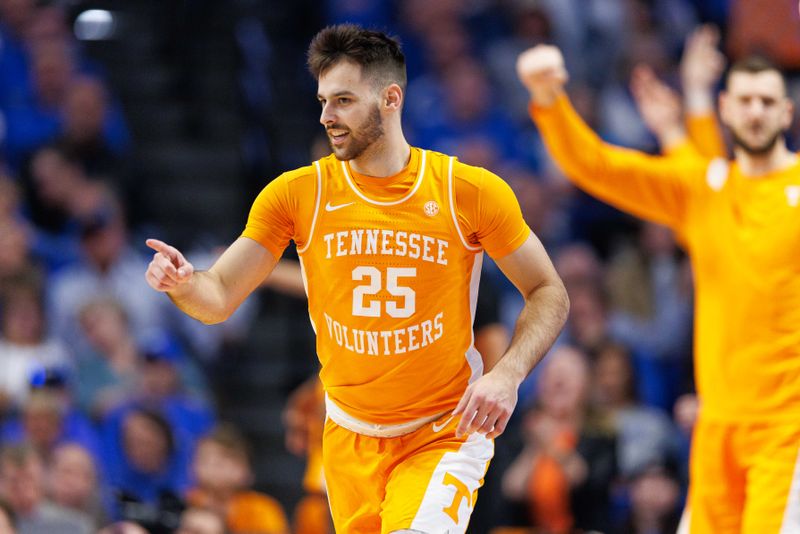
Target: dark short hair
[378,54]
[753,64]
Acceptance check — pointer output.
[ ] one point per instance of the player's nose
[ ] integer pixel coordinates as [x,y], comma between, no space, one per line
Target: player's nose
[327,117]
[755,107]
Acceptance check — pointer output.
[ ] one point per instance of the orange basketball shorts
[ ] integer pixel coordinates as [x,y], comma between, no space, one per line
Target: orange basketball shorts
[744,479]
[426,480]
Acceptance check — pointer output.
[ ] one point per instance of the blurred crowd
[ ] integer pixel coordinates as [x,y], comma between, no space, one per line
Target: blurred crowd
[108,415]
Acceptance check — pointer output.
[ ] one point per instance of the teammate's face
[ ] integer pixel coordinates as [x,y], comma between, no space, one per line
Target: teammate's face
[756,109]
[351,112]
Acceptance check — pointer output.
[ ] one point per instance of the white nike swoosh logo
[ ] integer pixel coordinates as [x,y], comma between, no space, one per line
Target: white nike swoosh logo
[436,427]
[331,207]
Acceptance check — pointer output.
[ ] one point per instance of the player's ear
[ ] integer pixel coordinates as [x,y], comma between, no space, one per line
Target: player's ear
[724,105]
[788,112]
[393,97]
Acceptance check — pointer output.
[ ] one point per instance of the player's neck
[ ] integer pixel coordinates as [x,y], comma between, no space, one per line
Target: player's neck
[754,165]
[386,157]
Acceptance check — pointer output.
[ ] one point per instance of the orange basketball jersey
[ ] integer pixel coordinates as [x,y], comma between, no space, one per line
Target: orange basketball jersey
[391,268]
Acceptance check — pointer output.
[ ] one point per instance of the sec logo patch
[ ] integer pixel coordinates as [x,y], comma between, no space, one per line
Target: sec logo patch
[431,208]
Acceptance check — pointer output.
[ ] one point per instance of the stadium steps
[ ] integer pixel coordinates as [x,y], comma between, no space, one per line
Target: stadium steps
[177,81]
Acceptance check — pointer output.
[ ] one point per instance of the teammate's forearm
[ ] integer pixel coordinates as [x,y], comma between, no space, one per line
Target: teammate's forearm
[706,135]
[538,325]
[202,298]
[546,97]
[698,100]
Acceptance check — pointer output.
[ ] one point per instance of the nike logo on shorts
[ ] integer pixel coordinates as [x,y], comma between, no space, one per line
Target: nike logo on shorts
[436,427]
[331,207]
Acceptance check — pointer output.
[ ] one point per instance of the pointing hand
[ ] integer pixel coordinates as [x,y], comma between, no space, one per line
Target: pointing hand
[169,269]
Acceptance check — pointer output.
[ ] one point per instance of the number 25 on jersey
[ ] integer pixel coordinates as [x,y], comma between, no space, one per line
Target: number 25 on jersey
[365,307]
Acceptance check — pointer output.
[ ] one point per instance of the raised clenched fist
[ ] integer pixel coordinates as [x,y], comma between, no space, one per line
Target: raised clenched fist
[541,70]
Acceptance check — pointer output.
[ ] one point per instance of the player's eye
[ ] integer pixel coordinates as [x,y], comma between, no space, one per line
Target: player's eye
[344,100]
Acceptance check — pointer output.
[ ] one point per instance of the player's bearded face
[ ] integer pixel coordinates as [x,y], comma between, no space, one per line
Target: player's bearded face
[756,136]
[756,111]
[754,140]
[350,142]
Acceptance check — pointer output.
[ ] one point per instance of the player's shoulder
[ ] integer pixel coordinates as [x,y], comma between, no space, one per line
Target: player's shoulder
[462,172]
[302,178]
[473,176]
[299,174]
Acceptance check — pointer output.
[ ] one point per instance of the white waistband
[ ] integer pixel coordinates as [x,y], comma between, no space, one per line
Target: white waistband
[344,419]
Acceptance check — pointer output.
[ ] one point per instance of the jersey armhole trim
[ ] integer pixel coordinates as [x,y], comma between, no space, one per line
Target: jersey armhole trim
[316,208]
[451,192]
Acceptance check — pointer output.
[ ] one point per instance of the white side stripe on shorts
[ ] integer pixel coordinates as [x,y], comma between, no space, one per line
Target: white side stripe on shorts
[449,497]
[791,515]
[686,517]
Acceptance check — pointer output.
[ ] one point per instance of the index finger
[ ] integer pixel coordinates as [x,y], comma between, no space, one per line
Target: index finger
[160,246]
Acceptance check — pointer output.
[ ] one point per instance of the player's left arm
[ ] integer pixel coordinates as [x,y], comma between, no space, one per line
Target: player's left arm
[487,403]
[701,68]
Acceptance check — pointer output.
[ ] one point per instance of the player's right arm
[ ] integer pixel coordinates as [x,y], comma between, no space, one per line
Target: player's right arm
[651,187]
[210,296]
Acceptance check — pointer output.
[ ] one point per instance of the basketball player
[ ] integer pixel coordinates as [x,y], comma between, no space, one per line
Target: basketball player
[390,239]
[740,222]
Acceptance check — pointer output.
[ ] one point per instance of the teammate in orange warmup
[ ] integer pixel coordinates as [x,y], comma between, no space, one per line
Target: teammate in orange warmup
[739,223]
